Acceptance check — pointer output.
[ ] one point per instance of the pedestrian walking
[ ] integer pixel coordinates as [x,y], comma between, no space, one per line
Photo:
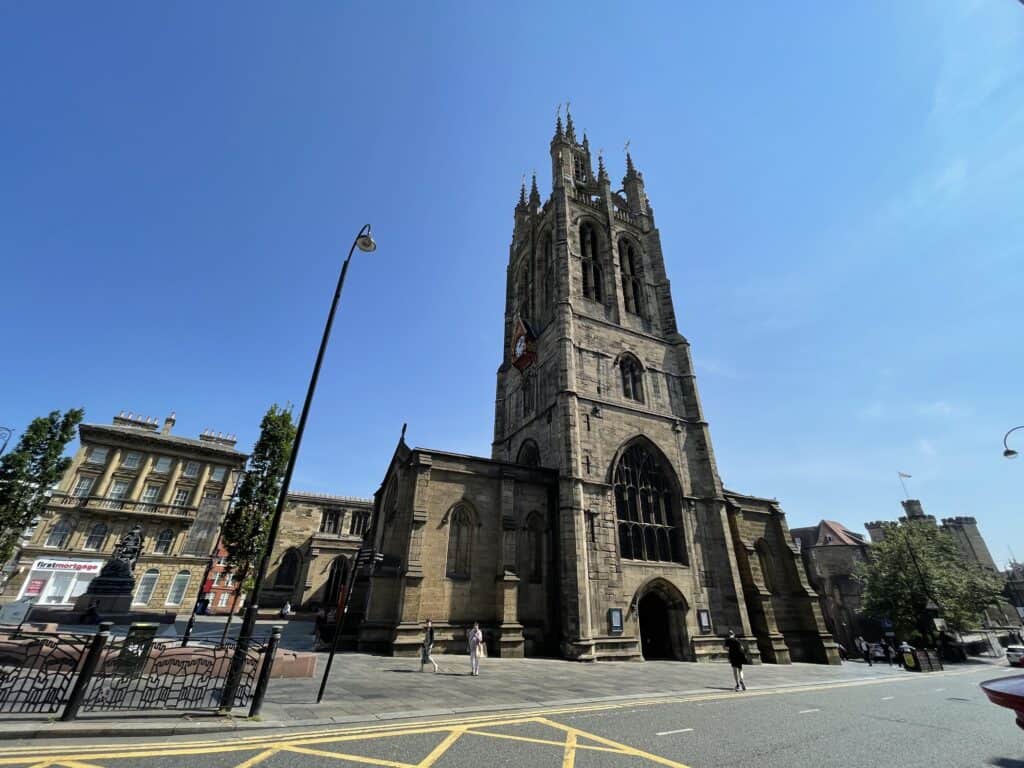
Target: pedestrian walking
[286,610]
[737,658]
[865,649]
[428,647]
[476,648]
[887,650]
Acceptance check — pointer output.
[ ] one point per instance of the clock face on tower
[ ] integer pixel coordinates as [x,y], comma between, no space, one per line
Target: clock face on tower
[519,346]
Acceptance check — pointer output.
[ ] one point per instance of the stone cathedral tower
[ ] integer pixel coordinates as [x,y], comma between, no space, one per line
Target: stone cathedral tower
[599,527]
[598,384]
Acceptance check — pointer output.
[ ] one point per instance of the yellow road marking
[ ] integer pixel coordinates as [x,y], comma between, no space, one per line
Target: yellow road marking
[50,756]
[623,748]
[547,742]
[569,758]
[258,758]
[343,756]
[440,749]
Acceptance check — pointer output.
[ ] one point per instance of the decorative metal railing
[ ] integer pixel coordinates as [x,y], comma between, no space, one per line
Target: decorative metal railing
[37,669]
[164,675]
[46,673]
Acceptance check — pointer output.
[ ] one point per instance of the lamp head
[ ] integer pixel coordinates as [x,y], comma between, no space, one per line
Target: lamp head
[365,242]
[1009,453]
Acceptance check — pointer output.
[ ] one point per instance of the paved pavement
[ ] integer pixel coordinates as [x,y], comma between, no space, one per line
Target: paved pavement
[911,721]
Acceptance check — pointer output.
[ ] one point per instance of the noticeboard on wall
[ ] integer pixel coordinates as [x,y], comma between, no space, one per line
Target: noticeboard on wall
[615,621]
[704,620]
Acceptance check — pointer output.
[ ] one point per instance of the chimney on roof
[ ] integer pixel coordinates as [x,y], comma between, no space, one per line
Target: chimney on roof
[168,424]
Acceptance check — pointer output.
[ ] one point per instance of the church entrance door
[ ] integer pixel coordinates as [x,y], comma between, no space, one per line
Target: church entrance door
[661,615]
[654,630]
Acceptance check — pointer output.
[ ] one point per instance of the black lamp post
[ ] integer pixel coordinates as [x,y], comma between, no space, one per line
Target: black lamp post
[5,435]
[1008,452]
[364,241]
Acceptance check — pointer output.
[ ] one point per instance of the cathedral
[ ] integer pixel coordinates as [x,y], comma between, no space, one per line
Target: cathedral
[599,528]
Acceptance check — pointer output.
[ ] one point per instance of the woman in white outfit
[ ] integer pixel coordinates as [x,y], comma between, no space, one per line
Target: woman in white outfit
[476,641]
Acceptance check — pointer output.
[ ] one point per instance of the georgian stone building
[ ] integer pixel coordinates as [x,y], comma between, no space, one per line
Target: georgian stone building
[599,527]
[131,472]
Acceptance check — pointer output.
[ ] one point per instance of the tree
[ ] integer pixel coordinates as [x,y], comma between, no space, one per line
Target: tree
[29,471]
[245,529]
[917,568]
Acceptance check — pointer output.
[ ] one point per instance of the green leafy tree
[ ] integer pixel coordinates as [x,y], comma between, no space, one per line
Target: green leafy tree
[29,471]
[916,571]
[246,525]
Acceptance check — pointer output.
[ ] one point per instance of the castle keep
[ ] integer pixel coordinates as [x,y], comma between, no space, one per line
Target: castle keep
[599,527]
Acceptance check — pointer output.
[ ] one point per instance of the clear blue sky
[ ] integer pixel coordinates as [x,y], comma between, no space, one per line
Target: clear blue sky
[838,187]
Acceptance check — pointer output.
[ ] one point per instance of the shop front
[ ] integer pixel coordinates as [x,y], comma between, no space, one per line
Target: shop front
[59,582]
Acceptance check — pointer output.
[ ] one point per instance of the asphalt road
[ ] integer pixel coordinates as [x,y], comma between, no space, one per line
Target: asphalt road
[914,720]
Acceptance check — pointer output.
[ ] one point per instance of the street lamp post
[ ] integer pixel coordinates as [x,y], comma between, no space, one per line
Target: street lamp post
[5,435]
[1008,452]
[364,241]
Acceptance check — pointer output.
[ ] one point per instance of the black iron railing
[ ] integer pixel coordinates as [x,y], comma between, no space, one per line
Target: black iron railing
[46,673]
[122,505]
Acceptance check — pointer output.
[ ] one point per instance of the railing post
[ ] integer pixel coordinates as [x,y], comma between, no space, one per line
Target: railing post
[265,669]
[92,660]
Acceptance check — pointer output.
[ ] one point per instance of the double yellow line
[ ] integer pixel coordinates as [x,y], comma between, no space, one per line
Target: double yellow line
[33,754]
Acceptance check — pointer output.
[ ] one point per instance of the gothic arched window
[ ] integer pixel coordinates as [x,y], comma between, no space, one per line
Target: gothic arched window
[164,542]
[629,264]
[524,289]
[97,535]
[288,572]
[592,276]
[632,378]
[529,454]
[460,536]
[549,272]
[647,508]
[529,386]
[60,534]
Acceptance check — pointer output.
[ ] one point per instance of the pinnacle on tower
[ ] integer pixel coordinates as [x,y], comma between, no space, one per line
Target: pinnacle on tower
[534,192]
[522,194]
[630,170]
[570,129]
[586,142]
[602,174]
[559,133]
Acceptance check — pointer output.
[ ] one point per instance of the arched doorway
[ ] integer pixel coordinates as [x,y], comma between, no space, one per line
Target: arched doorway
[661,617]
[655,640]
[336,581]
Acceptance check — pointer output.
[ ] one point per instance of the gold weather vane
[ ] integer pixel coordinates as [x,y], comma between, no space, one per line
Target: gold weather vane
[558,112]
[626,148]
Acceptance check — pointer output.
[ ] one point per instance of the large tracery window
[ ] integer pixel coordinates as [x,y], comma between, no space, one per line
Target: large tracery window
[460,535]
[629,264]
[592,277]
[632,379]
[647,508]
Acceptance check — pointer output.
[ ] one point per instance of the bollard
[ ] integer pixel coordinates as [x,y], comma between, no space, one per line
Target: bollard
[92,660]
[264,678]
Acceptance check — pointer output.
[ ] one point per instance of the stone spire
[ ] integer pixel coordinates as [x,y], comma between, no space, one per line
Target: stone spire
[602,174]
[570,129]
[630,170]
[559,133]
[534,193]
[522,193]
